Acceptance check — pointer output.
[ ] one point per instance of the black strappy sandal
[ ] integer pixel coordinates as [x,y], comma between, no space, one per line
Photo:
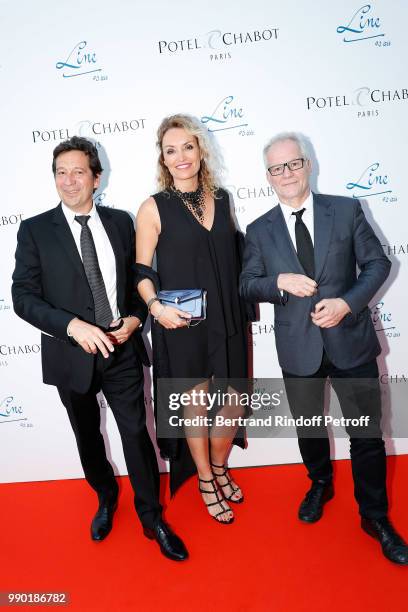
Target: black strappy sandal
[229,483]
[219,502]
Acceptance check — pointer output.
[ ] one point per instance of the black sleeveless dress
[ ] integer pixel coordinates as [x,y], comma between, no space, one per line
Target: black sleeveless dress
[190,257]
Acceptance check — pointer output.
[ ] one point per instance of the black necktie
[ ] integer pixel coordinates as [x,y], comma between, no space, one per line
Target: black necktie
[103,312]
[304,244]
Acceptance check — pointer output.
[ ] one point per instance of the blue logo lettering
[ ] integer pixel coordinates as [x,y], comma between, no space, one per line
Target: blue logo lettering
[371,182]
[78,62]
[361,26]
[225,116]
[7,409]
[381,318]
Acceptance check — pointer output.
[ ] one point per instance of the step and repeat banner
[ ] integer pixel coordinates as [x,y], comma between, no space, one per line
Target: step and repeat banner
[111,71]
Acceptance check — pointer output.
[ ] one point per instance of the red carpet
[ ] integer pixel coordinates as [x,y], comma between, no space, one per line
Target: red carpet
[266,561]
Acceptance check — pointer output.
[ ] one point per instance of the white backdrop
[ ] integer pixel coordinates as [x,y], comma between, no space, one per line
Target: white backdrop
[112,71]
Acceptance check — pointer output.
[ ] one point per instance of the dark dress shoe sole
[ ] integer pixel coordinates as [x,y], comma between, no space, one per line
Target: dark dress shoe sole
[101,536]
[371,532]
[150,535]
[310,520]
[317,517]
[394,560]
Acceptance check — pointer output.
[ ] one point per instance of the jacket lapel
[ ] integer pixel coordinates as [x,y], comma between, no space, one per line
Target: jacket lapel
[279,233]
[66,239]
[323,214]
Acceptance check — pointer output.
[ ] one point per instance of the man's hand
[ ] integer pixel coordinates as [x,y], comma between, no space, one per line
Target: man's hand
[297,284]
[130,325]
[90,337]
[329,312]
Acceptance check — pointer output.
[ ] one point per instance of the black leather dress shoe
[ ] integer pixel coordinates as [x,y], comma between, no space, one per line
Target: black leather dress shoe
[102,521]
[170,544]
[393,546]
[311,508]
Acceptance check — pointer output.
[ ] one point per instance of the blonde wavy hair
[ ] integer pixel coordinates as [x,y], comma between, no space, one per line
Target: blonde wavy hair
[211,165]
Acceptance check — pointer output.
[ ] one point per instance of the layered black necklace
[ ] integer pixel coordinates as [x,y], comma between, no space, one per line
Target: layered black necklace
[194,201]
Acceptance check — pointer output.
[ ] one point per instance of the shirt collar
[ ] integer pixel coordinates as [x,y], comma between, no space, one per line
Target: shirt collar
[70,214]
[288,210]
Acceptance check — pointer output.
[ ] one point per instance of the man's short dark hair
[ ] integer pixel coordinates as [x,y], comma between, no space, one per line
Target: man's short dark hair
[77,143]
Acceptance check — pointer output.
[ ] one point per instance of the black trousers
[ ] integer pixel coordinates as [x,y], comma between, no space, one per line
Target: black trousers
[120,377]
[359,395]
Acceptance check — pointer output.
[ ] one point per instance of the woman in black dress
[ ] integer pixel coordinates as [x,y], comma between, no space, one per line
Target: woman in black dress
[189,226]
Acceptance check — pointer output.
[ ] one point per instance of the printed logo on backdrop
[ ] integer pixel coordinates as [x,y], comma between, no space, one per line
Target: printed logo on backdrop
[228,114]
[10,220]
[90,129]
[102,199]
[373,181]
[397,250]
[11,411]
[242,193]
[258,329]
[365,24]
[81,61]
[217,44]
[14,351]
[364,101]
[383,321]
[389,379]
[4,305]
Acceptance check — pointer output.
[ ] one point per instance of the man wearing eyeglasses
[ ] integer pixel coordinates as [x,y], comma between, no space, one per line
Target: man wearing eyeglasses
[302,256]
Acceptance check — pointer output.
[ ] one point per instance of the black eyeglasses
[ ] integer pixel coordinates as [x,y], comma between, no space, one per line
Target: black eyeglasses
[294,164]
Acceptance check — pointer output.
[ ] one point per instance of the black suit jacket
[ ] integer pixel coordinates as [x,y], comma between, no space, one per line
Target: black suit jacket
[50,288]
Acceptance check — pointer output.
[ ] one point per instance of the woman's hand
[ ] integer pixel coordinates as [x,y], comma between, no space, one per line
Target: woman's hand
[170,317]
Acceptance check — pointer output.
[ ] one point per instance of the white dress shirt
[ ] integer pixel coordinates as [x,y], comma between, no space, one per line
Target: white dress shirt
[104,251]
[307,217]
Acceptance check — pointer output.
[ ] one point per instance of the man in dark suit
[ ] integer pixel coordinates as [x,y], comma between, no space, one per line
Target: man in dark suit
[73,281]
[302,257]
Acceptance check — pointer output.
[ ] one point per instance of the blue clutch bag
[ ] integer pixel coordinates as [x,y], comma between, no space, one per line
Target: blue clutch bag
[191,301]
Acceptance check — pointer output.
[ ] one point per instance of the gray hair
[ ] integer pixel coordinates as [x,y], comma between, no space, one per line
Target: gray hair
[301,140]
